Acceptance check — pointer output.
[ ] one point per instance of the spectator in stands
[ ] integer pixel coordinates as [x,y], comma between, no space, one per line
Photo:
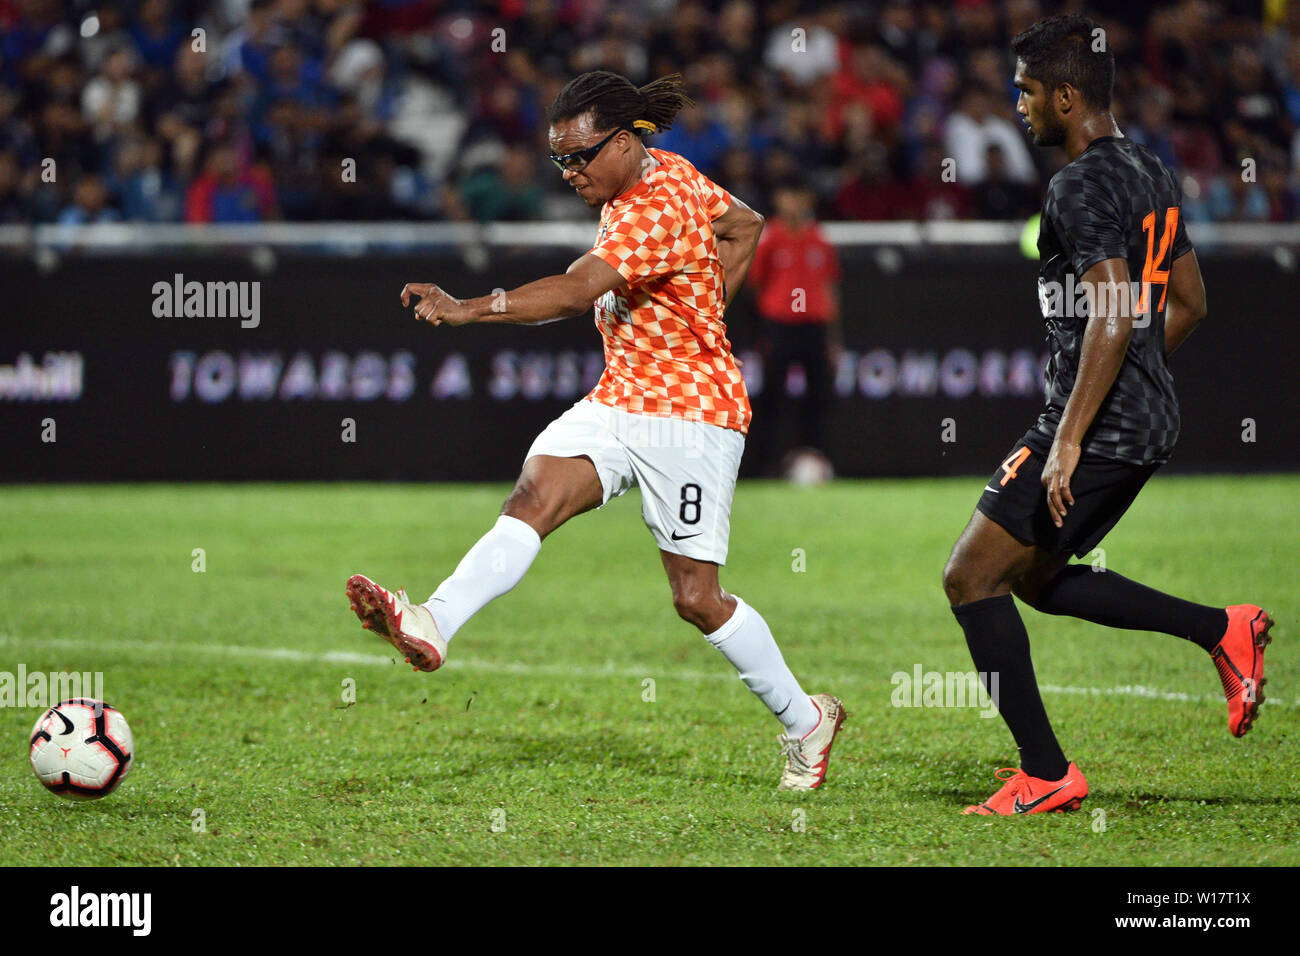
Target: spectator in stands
[802,50]
[292,76]
[740,39]
[102,33]
[389,183]
[699,137]
[111,101]
[359,71]
[225,192]
[898,32]
[90,204]
[997,196]
[976,23]
[547,32]
[1291,83]
[302,30]
[248,49]
[928,107]
[936,190]
[874,193]
[13,204]
[796,135]
[188,96]
[1251,106]
[504,112]
[743,128]
[157,32]
[1283,197]
[616,47]
[973,127]
[741,177]
[15,133]
[873,82]
[290,143]
[180,145]
[65,140]
[30,45]
[1151,127]
[1231,197]
[145,190]
[509,192]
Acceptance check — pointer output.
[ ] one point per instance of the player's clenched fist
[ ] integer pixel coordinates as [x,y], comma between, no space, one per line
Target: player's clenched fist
[435,306]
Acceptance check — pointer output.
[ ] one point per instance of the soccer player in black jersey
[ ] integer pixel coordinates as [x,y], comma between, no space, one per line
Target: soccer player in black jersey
[1110,218]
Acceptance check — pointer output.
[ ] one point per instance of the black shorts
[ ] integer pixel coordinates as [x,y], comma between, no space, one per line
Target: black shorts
[1102,489]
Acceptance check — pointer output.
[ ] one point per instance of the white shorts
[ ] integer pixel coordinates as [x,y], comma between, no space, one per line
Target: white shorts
[686,470]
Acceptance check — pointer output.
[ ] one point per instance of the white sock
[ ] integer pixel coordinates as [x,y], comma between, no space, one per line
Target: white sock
[492,567]
[747,643]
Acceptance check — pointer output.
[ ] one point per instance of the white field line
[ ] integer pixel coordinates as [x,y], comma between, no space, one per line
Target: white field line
[538,670]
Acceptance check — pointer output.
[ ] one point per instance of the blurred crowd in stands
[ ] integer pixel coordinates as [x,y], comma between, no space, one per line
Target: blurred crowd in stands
[256,110]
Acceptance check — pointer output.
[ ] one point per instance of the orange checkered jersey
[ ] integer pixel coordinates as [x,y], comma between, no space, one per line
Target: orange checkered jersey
[666,348]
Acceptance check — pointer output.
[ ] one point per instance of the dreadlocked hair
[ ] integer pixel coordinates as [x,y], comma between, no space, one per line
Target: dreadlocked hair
[616,104]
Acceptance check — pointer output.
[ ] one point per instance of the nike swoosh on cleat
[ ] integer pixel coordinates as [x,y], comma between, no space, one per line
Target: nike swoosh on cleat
[683,537]
[1026,807]
[992,489]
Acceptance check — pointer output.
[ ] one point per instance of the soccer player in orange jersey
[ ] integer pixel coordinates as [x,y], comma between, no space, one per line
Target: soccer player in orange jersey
[669,413]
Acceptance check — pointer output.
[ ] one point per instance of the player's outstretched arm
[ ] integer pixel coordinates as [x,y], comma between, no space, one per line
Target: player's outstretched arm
[737,231]
[554,297]
[1186,306]
[1105,341]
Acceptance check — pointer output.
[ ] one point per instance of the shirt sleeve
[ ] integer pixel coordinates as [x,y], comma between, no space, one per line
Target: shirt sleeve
[716,199]
[1087,221]
[642,241]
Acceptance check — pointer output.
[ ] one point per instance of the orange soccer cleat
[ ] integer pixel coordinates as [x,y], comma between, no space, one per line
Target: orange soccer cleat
[1025,794]
[1239,657]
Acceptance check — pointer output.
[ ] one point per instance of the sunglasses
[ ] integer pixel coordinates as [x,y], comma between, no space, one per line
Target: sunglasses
[577,161]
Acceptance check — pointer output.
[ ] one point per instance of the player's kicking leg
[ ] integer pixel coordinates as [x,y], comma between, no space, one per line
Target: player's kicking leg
[739,632]
[1234,637]
[549,492]
[985,562]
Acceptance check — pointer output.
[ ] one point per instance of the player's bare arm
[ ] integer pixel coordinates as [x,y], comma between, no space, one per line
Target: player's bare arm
[542,300]
[1105,341]
[1186,306]
[737,231]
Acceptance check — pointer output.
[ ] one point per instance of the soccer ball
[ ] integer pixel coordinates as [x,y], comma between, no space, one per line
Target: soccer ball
[82,748]
[807,467]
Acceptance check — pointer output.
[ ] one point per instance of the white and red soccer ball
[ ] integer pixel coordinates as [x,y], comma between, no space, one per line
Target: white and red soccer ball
[82,748]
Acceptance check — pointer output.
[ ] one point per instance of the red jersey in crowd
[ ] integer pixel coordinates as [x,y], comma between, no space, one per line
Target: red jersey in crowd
[792,259]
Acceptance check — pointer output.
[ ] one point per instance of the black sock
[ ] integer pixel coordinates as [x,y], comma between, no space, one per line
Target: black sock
[999,645]
[1105,597]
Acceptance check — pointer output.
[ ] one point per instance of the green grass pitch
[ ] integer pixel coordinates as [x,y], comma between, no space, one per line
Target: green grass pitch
[536,745]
